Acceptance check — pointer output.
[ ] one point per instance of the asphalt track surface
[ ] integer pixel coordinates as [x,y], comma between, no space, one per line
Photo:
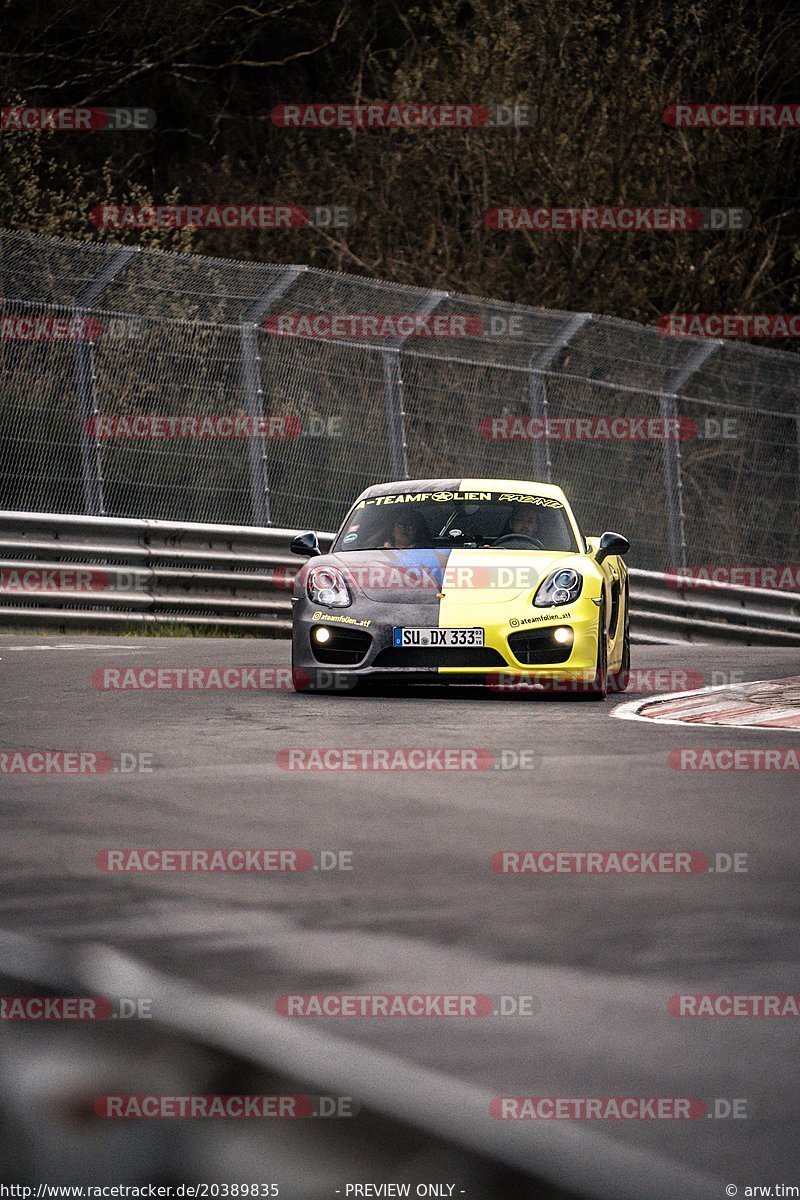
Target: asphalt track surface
[421,911]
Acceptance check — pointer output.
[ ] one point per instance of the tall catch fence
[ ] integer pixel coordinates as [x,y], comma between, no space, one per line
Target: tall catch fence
[138,383]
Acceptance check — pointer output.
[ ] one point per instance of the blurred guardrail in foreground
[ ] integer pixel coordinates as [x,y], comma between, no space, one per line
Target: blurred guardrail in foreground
[101,572]
[408,1124]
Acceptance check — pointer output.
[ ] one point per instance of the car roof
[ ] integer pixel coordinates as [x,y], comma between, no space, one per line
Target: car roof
[526,487]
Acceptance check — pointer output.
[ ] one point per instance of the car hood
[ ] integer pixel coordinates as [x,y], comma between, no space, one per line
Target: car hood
[420,576]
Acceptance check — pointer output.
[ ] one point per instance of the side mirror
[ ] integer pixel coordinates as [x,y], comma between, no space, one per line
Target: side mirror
[611,543]
[306,544]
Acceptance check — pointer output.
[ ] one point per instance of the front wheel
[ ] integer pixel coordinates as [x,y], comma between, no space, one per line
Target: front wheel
[618,680]
[598,688]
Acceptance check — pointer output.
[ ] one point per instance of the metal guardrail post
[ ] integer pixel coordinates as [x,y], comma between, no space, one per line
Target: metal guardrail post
[537,389]
[86,380]
[252,385]
[395,410]
[673,481]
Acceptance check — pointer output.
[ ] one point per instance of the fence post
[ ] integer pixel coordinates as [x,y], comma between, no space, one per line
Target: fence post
[537,389]
[395,410]
[86,380]
[673,479]
[253,389]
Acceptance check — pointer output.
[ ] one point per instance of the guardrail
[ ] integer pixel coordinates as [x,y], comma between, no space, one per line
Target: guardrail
[410,1122]
[664,608]
[118,573]
[110,573]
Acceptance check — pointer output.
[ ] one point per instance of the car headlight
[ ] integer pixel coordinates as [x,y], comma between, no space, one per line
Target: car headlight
[326,585]
[560,587]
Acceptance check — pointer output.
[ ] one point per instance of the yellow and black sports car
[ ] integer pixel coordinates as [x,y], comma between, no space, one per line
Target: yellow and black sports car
[462,580]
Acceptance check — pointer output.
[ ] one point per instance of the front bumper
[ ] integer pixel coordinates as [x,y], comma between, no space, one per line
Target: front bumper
[518,642]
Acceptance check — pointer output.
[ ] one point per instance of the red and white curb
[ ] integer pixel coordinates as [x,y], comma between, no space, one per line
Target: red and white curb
[763,704]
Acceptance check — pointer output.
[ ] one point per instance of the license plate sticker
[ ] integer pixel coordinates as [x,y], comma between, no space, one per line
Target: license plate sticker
[437,637]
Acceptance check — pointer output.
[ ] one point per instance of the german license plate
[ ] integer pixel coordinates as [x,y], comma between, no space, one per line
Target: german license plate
[437,637]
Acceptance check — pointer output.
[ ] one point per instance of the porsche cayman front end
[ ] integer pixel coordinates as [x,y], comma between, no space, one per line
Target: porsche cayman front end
[468,580]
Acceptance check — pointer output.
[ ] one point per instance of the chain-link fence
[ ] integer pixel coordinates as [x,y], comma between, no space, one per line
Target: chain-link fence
[144,384]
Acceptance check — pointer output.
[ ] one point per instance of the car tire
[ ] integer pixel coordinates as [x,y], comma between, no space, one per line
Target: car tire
[618,680]
[301,680]
[598,688]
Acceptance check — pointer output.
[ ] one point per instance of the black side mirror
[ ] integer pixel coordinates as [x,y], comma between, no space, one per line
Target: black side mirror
[611,543]
[306,544]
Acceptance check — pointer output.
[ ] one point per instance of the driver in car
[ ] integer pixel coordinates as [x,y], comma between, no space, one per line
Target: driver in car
[526,520]
[405,533]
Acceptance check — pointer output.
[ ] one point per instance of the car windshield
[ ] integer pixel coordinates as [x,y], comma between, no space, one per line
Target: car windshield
[435,520]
